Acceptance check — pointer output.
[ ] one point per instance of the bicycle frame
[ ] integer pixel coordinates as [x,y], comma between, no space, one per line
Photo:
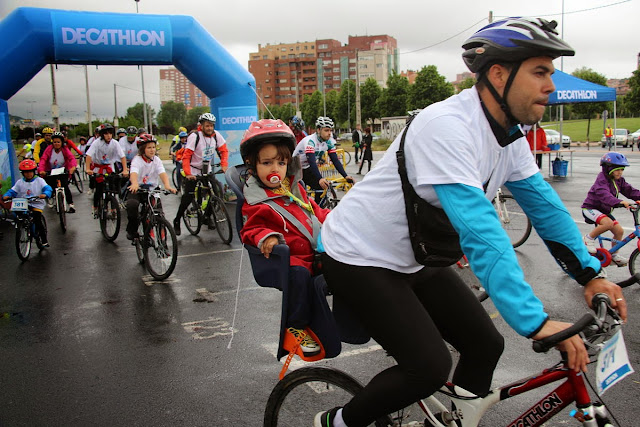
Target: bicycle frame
[620,243]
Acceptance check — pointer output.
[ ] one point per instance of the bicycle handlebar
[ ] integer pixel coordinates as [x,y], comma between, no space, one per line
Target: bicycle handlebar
[601,305]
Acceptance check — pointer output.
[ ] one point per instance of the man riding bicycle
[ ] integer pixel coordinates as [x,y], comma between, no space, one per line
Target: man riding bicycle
[128,143]
[42,143]
[197,160]
[58,155]
[457,153]
[310,148]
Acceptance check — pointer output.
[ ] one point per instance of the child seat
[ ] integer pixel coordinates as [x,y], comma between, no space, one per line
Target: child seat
[273,272]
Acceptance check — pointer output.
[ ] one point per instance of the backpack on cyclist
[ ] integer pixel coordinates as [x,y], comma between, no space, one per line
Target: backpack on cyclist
[434,241]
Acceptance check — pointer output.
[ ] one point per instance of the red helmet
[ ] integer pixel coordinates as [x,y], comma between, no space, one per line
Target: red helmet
[266,130]
[145,138]
[27,165]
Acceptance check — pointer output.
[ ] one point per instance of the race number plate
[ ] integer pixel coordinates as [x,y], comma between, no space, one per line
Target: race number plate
[19,205]
[613,363]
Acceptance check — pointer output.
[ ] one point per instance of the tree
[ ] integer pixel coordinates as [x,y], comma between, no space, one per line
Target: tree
[345,112]
[429,87]
[137,113]
[370,92]
[311,108]
[331,101]
[632,98]
[394,99]
[171,116]
[466,83]
[191,119]
[588,110]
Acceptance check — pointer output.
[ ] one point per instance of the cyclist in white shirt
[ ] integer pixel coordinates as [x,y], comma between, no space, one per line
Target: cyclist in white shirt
[457,153]
[101,159]
[146,171]
[198,160]
[310,148]
[128,143]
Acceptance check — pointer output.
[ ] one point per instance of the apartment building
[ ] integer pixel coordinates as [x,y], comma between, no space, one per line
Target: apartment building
[286,72]
[174,86]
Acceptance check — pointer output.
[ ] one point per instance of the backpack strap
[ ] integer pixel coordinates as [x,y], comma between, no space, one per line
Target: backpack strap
[315,223]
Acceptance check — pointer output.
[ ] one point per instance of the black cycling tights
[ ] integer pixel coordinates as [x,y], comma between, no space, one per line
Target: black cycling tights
[411,316]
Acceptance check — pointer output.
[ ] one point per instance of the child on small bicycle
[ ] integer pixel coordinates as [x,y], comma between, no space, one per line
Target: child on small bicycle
[32,186]
[602,197]
[278,211]
[146,169]
[55,156]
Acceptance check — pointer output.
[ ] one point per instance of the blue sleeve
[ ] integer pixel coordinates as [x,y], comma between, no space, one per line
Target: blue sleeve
[313,165]
[11,193]
[555,226]
[47,190]
[491,256]
[334,159]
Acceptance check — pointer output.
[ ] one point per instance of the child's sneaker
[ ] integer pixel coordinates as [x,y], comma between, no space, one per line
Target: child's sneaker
[308,345]
[72,208]
[619,260]
[591,244]
[325,419]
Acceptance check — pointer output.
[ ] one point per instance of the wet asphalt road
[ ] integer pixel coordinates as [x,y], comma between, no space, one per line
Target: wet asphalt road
[87,338]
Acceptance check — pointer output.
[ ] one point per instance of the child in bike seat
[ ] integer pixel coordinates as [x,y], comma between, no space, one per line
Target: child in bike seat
[278,211]
[32,186]
[602,197]
[146,170]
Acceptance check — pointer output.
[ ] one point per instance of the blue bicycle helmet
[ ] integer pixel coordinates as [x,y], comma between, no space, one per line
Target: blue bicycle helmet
[182,134]
[297,122]
[613,161]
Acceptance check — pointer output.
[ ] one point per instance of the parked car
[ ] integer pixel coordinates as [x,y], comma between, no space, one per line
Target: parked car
[344,137]
[633,138]
[553,137]
[621,138]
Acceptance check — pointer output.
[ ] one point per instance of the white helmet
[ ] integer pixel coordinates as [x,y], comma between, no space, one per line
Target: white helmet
[207,117]
[324,122]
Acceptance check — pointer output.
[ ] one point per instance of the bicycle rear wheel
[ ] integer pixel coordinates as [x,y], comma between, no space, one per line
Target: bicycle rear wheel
[77,181]
[37,237]
[174,177]
[222,220]
[514,221]
[23,240]
[301,394]
[347,157]
[192,218]
[61,211]
[160,248]
[110,218]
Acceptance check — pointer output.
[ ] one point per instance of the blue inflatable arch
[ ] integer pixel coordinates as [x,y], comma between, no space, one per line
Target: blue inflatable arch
[31,38]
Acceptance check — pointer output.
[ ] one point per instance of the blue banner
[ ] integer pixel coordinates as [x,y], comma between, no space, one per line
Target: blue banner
[111,37]
[236,118]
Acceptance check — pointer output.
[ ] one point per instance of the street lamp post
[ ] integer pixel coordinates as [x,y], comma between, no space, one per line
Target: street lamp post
[33,123]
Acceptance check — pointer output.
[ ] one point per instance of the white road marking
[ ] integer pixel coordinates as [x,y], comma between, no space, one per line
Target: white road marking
[210,253]
[208,328]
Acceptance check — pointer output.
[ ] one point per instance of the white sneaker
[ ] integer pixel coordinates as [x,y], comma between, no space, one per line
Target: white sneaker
[619,260]
[591,244]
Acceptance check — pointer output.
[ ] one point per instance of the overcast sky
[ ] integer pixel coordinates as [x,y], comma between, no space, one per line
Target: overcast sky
[604,34]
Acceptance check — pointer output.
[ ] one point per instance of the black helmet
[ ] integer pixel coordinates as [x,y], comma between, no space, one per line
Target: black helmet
[106,127]
[60,136]
[132,130]
[513,40]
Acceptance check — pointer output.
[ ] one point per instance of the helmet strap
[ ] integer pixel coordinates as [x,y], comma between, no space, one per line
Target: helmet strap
[502,100]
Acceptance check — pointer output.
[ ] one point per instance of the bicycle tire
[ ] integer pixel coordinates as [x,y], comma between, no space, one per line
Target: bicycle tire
[347,157]
[61,211]
[222,220]
[110,218]
[634,262]
[77,181]
[23,240]
[160,248]
[312,390]
[517,224]
[192,218]
[174,177]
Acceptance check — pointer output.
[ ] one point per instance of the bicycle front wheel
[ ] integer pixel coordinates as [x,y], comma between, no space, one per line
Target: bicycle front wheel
[160,248]
[23,241]
[222,220]
[192,218]
[514,221]
[347,157]
[61,211]
[301,394]
[110,218]
[634,262]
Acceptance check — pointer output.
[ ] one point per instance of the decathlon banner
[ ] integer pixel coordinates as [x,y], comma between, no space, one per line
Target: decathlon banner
[237,118]
[571,90]
[111,37]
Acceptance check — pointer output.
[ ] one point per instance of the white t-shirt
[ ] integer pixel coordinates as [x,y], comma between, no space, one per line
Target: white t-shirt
[33,188]
[205,150]
[148,172]
[312,144]
[102,153]
[56,160]
[452,142]
[130,149]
